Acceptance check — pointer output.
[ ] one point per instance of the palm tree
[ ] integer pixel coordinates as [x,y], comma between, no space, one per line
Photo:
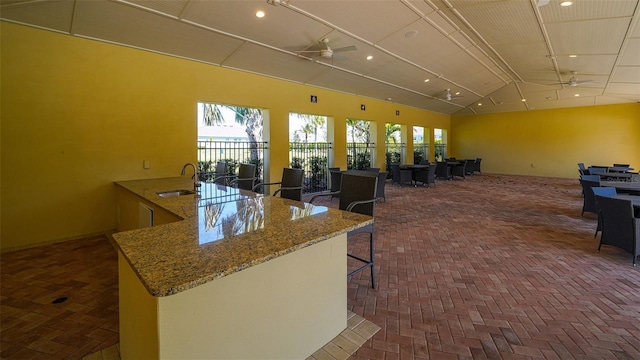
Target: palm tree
[311,125]
[251,118]
[359,130]
[390,132]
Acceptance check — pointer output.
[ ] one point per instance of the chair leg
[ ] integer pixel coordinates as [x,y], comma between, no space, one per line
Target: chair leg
[373,277]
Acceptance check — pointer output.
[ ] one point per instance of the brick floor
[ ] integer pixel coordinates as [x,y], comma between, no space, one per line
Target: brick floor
[491,267]
[33,327]
[495,267]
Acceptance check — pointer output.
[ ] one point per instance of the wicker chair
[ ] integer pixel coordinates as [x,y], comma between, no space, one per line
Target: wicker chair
[476,166]
[589,200]
[382,181]
[220,176]
[619,227]
[461,168]
[427,176]
[443,171]
[246,177]
[401,176]
[602,191]
[358,194]
[290,186]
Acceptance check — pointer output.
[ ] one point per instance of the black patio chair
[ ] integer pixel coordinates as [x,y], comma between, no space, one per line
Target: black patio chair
[476,166]
[382,181]
[619,227]
[602,191]
[583,170]
[443,171]
[589,200]
[460,169]
[290,185]
[401,176]
[246,177]
[220,176]
[427,176]
[358,194]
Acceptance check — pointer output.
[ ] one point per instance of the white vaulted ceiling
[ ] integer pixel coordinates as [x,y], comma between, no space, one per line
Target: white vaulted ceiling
[493,52]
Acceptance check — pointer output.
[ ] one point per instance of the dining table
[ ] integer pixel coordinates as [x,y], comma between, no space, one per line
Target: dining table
[623,186]
[615,176]
[608,168]
[635,201]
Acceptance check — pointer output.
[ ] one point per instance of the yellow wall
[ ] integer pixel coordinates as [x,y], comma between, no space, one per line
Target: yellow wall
[77,115]
[549,142]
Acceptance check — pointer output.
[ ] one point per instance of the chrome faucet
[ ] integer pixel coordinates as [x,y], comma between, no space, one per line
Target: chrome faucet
[196,181]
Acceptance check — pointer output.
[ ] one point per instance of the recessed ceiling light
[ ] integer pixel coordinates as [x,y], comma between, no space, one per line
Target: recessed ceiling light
[369,57]
[260,14]
[576,95]
[411,33]
[566,3]
[457,92]
[573,56]
[524,100]
[479,104]
[427,80]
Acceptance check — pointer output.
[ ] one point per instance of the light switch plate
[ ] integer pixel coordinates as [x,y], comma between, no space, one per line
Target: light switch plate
[146,164]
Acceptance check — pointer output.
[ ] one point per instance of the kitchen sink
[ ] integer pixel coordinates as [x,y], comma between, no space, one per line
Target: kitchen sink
[174,193]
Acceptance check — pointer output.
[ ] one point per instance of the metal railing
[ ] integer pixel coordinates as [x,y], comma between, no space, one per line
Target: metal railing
[313,158]
[231,152]
[360,155]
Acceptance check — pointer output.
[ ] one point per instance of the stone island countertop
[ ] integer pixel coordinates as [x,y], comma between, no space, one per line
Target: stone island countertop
[225,230]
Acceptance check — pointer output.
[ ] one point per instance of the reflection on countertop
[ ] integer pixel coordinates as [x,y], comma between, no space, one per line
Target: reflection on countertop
[224,231]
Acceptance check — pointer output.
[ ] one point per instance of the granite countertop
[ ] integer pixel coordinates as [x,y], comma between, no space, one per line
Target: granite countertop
[224,231]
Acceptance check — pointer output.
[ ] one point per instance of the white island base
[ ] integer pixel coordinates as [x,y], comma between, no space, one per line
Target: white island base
[284,308]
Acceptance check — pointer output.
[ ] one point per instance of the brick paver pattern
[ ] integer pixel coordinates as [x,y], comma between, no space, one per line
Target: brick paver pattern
[491,267]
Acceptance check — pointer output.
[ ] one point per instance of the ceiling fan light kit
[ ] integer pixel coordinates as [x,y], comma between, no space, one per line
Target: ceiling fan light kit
[323,49]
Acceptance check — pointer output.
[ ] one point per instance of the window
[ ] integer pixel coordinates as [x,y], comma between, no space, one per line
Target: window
[440,142]
[420,145]
[309,150]
[360,149]
[228,133]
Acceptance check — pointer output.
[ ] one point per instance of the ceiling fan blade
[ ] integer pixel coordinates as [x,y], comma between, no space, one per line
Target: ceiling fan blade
[346,48]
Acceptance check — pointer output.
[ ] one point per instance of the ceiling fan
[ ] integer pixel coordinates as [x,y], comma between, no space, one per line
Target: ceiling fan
[574,80]
[325,51]
[446,95]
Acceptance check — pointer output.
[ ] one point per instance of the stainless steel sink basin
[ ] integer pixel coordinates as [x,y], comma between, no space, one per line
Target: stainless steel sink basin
[174,193]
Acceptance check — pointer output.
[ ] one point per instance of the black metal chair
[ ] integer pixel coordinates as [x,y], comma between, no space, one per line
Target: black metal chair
[401,176]
[290,185]
[619,227]
[602,191]
[246,177]
[358,194]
